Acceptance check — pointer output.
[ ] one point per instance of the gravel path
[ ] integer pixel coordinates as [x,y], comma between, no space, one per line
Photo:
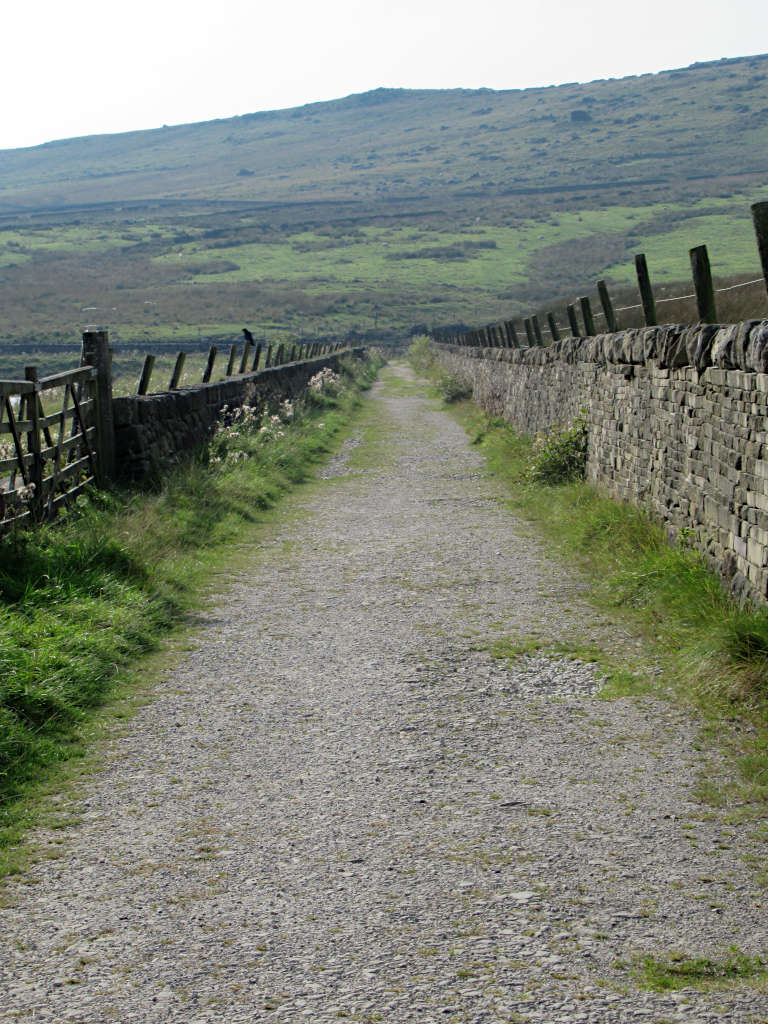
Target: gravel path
[341,806]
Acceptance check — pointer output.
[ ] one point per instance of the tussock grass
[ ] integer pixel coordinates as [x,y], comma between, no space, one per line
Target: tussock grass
[82,598]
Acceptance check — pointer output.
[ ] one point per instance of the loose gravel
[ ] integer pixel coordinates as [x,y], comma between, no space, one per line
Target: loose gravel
[340,805]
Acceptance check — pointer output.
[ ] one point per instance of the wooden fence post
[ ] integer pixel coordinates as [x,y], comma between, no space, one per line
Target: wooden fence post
[96,353]
[553,327]
[605,302]
[207,372]
[247,346]
[268,357]
[34,447]
[537,331]
[573,321]
[702,283]
[760,220]
[529,331]
[512,334]
[256,358]
[146,375]
[231,361]
[177,371]
[646,292]
[586,315]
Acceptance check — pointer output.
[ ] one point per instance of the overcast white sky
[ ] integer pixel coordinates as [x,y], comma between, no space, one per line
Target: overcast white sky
[91,66]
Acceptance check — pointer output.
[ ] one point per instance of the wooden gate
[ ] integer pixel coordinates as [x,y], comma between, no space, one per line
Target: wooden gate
[46,457]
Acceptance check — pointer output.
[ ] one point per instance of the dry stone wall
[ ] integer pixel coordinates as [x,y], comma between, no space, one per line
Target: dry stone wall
[154,430]
[678,424]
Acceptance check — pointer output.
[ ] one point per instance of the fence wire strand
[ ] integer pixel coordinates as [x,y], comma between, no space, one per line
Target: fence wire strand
[671,298]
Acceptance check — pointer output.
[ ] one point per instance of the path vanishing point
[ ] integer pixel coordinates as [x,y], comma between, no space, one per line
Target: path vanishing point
[341,805]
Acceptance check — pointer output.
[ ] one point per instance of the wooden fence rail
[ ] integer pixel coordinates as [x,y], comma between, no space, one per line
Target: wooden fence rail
[504,334]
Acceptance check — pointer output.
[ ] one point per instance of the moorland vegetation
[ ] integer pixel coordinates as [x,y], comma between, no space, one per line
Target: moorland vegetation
[381,213]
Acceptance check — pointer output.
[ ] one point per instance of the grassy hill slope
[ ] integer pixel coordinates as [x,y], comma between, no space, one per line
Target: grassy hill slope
[385,209]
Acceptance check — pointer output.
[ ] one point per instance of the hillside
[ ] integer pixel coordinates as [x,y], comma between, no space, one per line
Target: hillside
[384,209]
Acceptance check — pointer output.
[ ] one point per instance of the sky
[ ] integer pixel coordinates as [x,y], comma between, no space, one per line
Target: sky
[88,67]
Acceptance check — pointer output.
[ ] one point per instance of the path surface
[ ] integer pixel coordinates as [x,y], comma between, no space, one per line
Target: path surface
[340,805]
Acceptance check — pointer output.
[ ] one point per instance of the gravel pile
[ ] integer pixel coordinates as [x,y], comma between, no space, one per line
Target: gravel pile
[340,805]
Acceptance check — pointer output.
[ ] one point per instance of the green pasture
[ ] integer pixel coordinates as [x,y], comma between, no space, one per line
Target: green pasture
[180,281]
[481,256]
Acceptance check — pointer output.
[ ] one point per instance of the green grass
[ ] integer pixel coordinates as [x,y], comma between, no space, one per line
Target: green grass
[683,971]
[83,598]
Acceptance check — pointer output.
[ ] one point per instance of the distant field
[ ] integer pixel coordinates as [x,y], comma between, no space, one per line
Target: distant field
[383,213]
[153,283]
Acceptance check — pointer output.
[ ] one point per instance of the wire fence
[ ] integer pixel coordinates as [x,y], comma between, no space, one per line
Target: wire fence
[681,298]
[504,333]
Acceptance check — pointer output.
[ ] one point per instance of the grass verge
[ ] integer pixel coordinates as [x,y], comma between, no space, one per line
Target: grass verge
[83,598]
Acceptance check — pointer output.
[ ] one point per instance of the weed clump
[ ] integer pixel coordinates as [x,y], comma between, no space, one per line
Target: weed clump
[560,455]
[682,971]
[420,355]
[452,388]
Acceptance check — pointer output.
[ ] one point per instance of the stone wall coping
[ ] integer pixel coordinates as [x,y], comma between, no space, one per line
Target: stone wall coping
[742,346]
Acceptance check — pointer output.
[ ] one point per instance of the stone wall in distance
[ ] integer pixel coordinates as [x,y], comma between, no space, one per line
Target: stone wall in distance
[678,425]
[152,431]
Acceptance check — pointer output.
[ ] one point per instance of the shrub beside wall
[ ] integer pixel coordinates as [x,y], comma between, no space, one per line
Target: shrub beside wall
[677,419]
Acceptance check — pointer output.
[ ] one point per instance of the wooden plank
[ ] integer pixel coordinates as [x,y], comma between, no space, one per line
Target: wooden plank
[9,521]
[69,496]
[20,456]
[97,353]
[8,464]
[21,425]
[48,421]
[34,446]
[70,443]
[84,433]
[54,418]
[9,388]
[66,472]
[43,420]
[58,380]
[57,448]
